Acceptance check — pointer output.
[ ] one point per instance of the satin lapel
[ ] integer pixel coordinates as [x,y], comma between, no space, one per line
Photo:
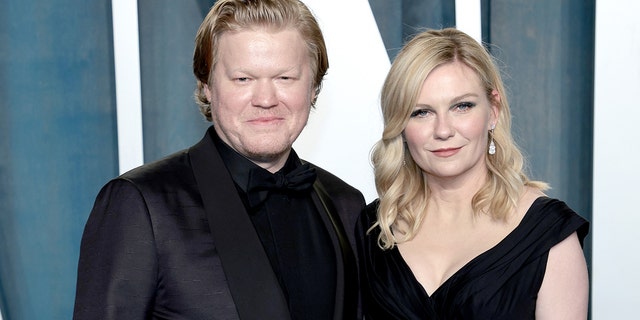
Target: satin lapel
[346,304]
[253,284]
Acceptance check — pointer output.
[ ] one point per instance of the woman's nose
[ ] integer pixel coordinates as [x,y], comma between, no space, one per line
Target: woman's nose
[444,128]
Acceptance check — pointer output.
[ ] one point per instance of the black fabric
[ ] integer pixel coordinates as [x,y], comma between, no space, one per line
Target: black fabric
[350,305]
[501,283]
[151,248]
[262,181]
[252,283]
[299,249]
[290,229]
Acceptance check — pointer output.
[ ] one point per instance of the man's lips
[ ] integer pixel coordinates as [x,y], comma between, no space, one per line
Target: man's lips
[265,120]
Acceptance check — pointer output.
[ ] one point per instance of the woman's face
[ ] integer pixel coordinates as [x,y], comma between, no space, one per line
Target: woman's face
[448,128]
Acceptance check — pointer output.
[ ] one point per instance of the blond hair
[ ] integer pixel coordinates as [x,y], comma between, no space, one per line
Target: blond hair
[402,188]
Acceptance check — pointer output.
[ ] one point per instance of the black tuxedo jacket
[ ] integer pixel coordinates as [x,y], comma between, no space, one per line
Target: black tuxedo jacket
[172,240]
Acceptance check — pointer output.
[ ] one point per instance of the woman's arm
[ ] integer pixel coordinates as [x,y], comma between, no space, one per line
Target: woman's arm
[564,293]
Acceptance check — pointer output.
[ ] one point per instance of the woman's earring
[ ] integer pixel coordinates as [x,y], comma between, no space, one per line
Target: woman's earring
[404,150]
[492,145]
[404,158]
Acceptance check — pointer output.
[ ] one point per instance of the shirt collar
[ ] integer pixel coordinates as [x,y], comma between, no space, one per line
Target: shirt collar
[239,166]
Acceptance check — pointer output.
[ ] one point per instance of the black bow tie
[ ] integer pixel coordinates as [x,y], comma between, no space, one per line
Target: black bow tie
[262,181]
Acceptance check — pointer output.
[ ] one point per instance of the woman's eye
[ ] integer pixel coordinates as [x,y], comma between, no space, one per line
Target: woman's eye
[419,113]
[465,106]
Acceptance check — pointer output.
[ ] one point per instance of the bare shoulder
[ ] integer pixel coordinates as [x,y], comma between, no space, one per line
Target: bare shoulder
[564,293]
[529,195]
[527,198]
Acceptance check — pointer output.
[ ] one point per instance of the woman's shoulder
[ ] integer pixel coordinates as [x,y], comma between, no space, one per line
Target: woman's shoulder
[546,214]
[529,196]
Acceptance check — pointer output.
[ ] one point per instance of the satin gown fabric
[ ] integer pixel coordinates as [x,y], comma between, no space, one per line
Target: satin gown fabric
[148,252]
[501,283]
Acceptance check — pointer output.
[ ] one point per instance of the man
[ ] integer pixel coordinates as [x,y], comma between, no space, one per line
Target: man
[237,226]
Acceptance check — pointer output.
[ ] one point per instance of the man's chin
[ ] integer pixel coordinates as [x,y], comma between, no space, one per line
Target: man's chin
[262,155]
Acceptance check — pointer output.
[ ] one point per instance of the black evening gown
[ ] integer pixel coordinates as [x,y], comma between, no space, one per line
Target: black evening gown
[501,283]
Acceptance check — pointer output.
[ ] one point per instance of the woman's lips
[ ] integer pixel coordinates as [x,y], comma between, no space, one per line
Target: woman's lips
[446,152]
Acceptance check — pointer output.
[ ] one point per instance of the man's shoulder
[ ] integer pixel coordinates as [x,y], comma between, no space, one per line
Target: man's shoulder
[171,177]
[334,185]
[177,164]
[329,179]
[173,165]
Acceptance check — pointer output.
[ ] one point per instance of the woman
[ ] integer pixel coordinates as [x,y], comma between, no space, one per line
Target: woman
[459,231]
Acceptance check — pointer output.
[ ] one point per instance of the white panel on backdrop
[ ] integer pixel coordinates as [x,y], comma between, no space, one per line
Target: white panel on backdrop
[616,213]
[347,120]
[469,18]
[128,92]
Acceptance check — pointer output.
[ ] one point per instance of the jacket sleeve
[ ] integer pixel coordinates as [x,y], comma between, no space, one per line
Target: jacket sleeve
[117,270]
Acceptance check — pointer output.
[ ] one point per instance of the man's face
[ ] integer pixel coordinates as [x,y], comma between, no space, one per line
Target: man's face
[261,93]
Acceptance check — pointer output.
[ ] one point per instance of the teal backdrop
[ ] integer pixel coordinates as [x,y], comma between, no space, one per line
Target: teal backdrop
[58,142]
[58,130]
[171,120]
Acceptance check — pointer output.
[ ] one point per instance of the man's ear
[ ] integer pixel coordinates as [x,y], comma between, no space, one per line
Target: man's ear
[207,91]
[314,97]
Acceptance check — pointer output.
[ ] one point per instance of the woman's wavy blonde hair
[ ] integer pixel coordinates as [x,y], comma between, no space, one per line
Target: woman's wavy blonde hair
[402,188]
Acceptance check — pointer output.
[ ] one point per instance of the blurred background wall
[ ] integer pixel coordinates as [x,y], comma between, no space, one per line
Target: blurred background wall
[568,64]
